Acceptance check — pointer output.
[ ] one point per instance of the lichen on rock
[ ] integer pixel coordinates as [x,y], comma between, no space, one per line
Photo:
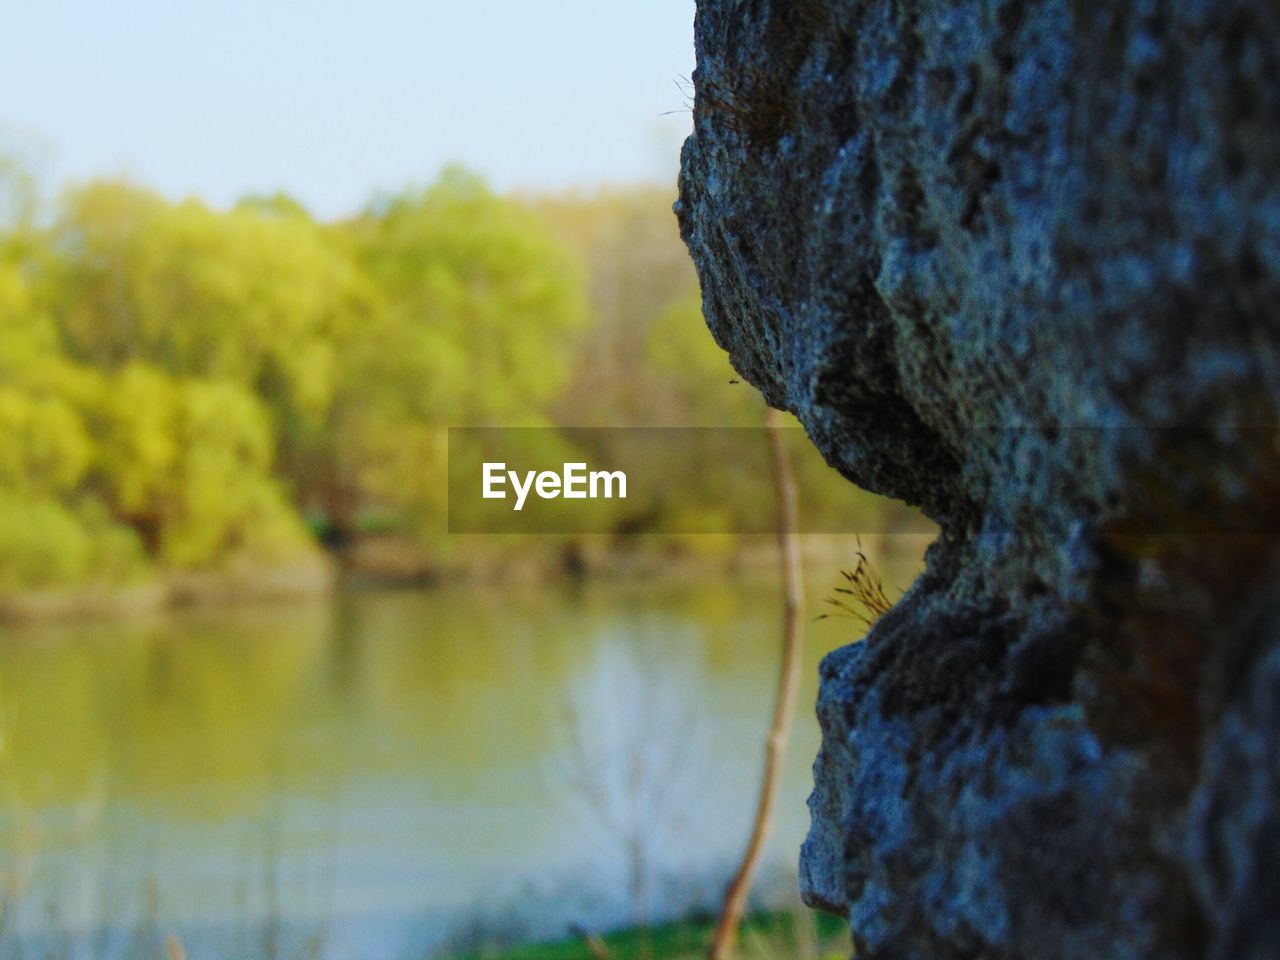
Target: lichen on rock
[1018,263]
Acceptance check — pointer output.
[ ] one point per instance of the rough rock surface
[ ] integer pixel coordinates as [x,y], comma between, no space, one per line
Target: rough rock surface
[1019,263]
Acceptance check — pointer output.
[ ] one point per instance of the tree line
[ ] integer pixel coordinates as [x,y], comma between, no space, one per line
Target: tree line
[184,388]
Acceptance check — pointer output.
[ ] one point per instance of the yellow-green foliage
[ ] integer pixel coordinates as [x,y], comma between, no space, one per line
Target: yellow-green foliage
[52,531]
[249,296]
[129,425]
[480,320]
[489,304]
[709,390]
[190,463]
[180,385]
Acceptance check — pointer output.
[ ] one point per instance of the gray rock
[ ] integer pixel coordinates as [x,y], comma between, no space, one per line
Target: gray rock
[1019,263]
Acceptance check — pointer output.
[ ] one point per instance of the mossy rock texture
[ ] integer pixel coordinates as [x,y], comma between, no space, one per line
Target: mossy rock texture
[1018,263]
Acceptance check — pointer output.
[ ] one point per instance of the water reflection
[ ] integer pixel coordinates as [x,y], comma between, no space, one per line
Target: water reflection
[367,770]
[635,760]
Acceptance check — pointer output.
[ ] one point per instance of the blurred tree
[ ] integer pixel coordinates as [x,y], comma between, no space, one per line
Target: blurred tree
[180,385]
[53,530]
[701,386]
[18,194]
[637,269]
[188,464]
[247,296]
[492,303]
[484,315]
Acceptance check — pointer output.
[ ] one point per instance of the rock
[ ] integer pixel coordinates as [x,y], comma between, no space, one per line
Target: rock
[1019,263]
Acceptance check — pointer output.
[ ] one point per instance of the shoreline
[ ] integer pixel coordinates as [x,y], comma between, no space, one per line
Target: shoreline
[315,577]
[395,563]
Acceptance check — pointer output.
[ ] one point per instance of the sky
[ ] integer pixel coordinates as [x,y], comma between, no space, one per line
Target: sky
[334,101]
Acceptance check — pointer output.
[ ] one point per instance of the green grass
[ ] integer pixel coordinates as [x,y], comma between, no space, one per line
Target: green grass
[774,934]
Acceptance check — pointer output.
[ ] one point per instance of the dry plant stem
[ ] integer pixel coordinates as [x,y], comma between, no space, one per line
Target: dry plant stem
[595,946]
[735,900]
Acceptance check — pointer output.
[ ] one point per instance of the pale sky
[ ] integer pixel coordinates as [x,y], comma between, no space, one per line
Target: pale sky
[332,101]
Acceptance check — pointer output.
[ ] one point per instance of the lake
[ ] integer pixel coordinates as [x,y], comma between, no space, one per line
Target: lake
[381,772]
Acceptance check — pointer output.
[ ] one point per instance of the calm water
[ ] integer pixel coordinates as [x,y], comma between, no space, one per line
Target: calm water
[381,770]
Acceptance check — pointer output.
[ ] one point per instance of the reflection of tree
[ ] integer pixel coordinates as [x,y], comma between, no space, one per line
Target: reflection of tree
[632,751]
